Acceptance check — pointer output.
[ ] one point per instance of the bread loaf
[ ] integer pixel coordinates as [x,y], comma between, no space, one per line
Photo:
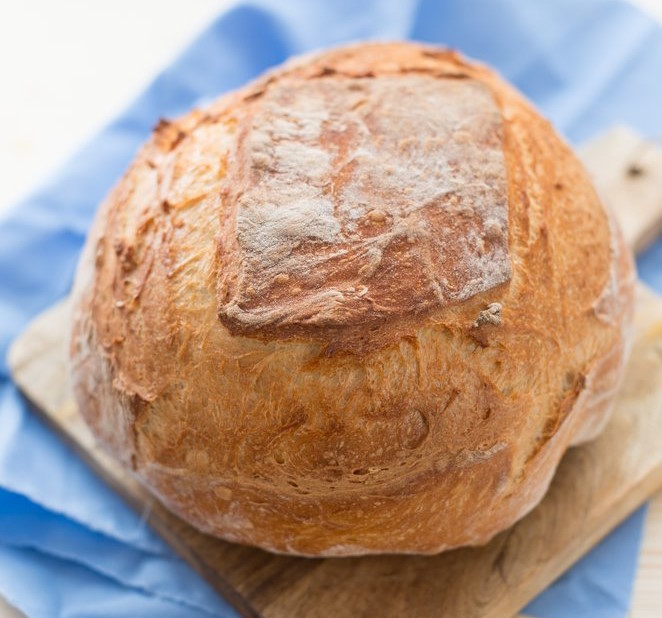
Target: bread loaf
[362,305]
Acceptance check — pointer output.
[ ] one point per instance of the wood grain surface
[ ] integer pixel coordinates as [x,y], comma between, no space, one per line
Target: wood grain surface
[596,486]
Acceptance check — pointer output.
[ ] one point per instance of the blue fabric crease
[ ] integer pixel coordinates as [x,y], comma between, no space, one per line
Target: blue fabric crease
[26,525]
[37,583]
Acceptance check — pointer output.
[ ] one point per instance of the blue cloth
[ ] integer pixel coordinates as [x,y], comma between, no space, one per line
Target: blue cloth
[68,545]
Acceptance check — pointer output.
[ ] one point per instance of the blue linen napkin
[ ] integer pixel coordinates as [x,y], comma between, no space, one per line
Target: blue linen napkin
[26,525]
[68,545]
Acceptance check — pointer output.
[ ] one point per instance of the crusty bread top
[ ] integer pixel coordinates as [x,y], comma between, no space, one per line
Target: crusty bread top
[359,191]
[428,411]
[350,199]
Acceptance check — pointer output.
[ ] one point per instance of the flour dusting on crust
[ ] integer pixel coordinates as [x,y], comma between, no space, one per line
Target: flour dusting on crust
[363,197]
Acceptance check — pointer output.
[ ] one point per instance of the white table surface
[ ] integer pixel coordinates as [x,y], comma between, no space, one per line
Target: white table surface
[68,67]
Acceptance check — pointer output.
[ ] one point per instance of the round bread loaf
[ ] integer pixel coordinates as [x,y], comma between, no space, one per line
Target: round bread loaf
[362,305]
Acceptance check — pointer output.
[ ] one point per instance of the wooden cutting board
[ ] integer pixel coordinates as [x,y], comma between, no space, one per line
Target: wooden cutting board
[596,486]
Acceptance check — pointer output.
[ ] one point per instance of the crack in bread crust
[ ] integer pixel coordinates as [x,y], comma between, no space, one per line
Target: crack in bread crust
[353,199]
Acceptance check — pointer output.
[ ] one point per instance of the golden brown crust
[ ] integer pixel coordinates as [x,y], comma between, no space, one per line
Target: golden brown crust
[352,200]
[428,412]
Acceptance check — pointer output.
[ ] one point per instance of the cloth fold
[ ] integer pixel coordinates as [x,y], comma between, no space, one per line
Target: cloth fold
[46,587]
[26,525]
[68,545]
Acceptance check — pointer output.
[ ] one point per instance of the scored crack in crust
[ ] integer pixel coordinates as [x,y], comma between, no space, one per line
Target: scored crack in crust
[362,305]
[350,199]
